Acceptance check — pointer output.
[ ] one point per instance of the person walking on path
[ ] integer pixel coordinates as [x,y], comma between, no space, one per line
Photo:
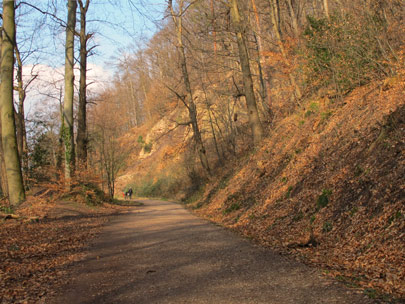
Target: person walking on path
[129,193]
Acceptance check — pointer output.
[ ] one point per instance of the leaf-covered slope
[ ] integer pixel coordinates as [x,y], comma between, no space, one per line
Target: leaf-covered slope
[328,185]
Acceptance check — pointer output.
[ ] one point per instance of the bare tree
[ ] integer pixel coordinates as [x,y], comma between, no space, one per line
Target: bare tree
[105,128]
[189,103]
[69,90]
[263,74]
[21,88]
[253,113]
[81,139]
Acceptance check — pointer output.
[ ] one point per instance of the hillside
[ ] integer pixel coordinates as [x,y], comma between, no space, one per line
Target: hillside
[326,185]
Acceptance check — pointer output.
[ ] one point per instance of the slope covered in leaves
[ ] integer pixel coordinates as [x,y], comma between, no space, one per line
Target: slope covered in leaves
[328,186]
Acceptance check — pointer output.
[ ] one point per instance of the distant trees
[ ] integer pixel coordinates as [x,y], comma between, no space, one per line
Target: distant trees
[109,149]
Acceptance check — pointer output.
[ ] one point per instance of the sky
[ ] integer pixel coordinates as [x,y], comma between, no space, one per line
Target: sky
[130,24]
[118,26]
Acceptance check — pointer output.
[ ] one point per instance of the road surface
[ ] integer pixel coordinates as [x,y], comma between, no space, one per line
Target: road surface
[160,253]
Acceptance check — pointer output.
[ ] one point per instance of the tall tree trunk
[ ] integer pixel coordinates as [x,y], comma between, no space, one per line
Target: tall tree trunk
[3,173]
[69,91]
[264,74]
[59,153]
[276,29]
[9,139]
[191,107]
[275,7]
[253,113]
[3,178]
[21,130]
[214,136]
[326,8]
[192,113]
[135,102]
[214,31]
[82,111]
[294,19]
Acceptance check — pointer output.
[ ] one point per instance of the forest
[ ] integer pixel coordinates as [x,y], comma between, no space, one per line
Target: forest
[280,119]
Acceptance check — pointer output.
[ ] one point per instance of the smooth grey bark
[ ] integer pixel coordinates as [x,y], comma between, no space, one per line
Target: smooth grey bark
[8,128]
[3,173]
[67,129]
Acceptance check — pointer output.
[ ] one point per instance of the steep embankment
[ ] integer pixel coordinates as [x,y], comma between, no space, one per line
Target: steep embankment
[328,186]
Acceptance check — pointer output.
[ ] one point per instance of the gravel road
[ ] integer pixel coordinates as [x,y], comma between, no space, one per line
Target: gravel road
[160,253]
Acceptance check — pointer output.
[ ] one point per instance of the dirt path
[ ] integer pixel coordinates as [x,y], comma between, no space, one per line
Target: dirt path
[160,253]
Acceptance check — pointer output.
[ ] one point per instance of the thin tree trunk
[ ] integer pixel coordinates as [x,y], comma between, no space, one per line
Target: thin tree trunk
[232,129]
[21,130]
[191,107]
[9,139]
[59,156]
[276,19]
[294,20]
[69,91]
[264,75]
[134,100]
[326,8]
[192,113]
[214,137]
[214,32]
[276,30]
[82,111]
[253,113]
[220,133]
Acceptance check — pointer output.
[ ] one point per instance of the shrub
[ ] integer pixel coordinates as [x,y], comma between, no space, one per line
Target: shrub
[327,226]
[323,199]
[6,209]
[148,147]
[288,194]
[299,216]
[345,51]
[231,208]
